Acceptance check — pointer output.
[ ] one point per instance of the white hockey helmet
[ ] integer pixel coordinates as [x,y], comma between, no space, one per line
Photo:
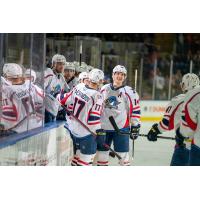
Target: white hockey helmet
[89,68]
[189,81]
[70,66]
[30,73]
[96,75]
[58,58]
[83,75]
[82,68]
[12,70]
[120,68]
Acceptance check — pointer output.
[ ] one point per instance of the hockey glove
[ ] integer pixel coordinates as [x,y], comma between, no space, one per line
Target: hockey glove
[179,138]
[101,138]
[135,132]
[154,131]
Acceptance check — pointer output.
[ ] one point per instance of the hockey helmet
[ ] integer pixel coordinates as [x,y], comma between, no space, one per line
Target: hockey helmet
[189,81]
[70,66]
[58,58]
[83,75]
[120,68]
[30,73]
[12,70]
[96,75]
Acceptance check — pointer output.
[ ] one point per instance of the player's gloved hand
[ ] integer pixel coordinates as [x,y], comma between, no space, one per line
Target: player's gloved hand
[101,138]
[153,133]
[135,132]
[179,138]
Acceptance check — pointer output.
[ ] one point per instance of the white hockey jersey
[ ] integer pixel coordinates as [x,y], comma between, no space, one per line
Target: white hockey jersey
[87,107]
[72,82]
[172,116]
[54,84]
[123,104]
[4,81]
[190,120]
[22,107]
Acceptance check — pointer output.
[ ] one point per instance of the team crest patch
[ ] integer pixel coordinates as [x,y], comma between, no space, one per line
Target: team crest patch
[112,102]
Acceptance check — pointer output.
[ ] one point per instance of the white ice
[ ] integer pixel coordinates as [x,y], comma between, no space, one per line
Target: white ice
[148,153]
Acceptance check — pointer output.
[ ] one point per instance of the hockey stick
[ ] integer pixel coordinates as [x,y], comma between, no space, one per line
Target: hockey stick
[112,121]
[133,144]
[80,53]
[94,134]
[161,137]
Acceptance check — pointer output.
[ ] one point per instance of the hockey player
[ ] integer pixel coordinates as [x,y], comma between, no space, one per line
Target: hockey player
[87,106]
[69,74]
[190,125]
[21,109]
[171,121]
[54,84]
[30,75]
[83,78]
[122,103]
[80,68]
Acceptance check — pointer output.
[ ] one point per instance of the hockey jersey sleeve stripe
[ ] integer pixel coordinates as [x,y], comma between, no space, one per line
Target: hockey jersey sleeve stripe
[95,113]
[93,118]
[93,123]
[7,108]
[163,126]
[136,112]
[136,116]
[48,76]
[136,108]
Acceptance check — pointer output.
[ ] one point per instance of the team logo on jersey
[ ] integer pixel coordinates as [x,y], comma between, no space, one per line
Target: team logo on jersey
[55,90]
[112,102]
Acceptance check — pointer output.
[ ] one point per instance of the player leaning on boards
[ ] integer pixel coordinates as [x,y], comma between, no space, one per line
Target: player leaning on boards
[86,103]
[54,84]
[22,101]
[190,122]
[122,103]
[171,120]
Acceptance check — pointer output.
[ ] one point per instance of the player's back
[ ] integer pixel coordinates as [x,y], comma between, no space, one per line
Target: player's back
[19,106]
[190,125]
[87,105]
[172,116]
